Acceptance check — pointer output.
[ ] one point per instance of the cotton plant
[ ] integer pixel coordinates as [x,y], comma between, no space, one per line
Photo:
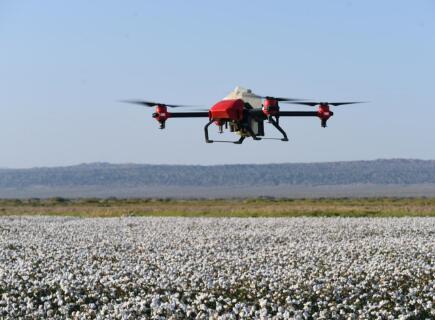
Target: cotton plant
[217,268]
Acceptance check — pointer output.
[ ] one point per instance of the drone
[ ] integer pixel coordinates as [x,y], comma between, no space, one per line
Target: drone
[244,113]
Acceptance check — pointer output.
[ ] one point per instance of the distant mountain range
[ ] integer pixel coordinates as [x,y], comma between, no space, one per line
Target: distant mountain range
[103,179]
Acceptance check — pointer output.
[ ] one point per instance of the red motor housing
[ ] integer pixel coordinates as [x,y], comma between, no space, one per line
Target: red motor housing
[324,113]
[270,107]
[161,115]
[227,110]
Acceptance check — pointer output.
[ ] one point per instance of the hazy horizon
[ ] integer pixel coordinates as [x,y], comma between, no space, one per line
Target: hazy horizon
[220,164]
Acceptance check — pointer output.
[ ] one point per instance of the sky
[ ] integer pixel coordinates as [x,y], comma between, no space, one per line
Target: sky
[64,66]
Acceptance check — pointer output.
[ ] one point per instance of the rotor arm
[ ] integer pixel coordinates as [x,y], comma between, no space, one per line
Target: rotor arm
[161,115]
[259,113]
[298,114]
[188,115]
[324,115]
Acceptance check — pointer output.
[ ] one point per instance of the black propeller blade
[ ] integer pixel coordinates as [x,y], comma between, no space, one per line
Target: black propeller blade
[153,104]
[313,104]
[279,99]
[344,103]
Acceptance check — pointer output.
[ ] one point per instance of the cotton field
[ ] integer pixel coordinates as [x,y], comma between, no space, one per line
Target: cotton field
[205,268]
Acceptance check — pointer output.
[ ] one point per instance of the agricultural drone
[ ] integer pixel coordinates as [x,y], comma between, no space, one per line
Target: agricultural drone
[244,113]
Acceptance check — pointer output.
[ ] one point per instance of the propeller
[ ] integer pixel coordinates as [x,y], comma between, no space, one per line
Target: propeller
[313,104]
[279,99]
[153,104]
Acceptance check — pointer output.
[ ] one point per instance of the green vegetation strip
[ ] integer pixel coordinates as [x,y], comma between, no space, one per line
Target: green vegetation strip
[261,207]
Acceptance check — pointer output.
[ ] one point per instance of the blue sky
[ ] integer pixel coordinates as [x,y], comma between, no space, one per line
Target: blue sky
[65,65]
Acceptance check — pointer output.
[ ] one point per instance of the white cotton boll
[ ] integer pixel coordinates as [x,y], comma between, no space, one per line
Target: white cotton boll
[262,303]
[228,268]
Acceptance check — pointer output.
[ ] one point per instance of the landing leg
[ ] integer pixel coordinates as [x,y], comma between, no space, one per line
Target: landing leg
[206,131]
[278,127]
[240,140]
[249,129]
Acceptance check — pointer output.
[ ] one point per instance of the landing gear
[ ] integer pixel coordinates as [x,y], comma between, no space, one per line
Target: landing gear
[243,127]
[240,141]
[251,132]
[207,140]
[278,127]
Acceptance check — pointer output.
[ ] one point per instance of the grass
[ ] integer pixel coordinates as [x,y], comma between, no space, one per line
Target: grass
[261,207]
